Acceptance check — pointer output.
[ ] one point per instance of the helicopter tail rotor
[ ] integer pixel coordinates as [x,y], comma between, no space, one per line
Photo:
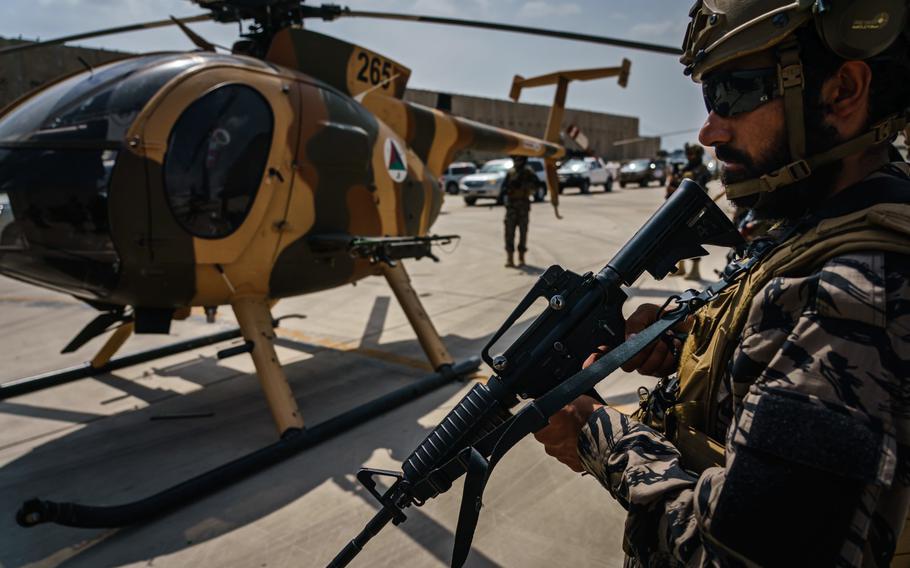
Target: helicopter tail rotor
[554,122]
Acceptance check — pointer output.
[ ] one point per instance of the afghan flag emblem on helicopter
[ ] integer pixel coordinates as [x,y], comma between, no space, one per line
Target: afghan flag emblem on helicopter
[395,160]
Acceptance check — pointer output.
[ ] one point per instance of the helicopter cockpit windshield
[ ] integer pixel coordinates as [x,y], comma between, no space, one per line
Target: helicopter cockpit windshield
[93,106]
[58,148]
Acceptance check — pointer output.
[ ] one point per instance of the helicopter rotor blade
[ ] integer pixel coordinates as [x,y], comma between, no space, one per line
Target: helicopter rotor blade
[108,31]
[654,48]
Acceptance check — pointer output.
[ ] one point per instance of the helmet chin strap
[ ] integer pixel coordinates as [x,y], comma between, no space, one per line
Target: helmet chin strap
[802,169]
[790,76]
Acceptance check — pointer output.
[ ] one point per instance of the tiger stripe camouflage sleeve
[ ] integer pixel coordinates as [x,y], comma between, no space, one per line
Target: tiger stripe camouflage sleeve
[817,466]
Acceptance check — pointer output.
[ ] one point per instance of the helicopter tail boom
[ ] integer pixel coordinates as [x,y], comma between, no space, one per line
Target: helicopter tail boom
[436,136]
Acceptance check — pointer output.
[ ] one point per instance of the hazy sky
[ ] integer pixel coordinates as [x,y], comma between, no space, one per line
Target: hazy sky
[458,60]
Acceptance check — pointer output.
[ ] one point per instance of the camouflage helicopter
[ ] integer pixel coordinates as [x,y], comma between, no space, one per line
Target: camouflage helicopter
[166,181]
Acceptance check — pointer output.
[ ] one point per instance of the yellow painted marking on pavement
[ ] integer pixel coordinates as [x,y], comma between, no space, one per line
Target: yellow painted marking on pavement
[478,376]
[66,553]
[37,299]
[351,347]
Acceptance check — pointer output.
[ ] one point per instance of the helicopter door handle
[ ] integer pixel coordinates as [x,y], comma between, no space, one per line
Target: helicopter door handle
[274,173]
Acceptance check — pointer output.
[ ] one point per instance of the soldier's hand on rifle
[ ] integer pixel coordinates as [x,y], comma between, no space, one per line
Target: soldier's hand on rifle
[660,358]
[560,437]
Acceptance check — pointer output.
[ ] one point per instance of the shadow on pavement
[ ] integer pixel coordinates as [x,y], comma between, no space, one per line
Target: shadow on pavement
[121,458]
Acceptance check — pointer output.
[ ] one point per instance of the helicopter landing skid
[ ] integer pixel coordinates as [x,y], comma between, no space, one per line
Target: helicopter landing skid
[37,511]
[101,363]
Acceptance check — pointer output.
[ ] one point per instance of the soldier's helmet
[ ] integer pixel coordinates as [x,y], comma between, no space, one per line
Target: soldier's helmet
[721,31]
[694,152]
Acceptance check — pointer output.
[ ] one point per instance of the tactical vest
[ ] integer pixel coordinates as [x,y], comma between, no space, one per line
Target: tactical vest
[715,334]
[521,184]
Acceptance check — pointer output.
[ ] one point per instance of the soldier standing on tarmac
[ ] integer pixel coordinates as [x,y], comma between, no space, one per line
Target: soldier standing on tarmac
[520,184]
[695,170]
[780,435]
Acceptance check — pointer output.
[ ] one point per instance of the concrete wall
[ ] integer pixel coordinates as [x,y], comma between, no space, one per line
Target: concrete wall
[23,71]
[602,130]
[27,70]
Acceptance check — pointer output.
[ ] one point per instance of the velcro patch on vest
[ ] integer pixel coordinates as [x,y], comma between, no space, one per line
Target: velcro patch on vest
[852,287]
[803,431]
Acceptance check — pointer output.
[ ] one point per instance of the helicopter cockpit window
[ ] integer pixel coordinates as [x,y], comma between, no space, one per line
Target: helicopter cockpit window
[97,105]
[216,158]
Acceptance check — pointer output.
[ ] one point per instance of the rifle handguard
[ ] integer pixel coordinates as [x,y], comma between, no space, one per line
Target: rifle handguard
[475,416]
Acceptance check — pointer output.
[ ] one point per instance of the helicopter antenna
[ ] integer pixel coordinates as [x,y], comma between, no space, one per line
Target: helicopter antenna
[197,39]
[359,98]
[86,64]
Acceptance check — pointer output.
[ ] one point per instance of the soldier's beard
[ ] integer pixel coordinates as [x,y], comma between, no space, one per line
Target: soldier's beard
[795,200]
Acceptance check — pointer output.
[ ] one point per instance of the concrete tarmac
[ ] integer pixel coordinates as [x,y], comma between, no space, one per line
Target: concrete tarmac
[106,440]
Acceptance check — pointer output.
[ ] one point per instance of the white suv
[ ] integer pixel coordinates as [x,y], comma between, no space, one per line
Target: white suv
[453,175]
[583,173]
[489,182]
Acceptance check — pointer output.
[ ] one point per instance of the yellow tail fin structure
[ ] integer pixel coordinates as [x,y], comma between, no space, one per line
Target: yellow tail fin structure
[554,122]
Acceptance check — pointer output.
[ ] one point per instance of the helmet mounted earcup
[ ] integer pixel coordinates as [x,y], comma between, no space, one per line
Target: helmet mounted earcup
[860,29]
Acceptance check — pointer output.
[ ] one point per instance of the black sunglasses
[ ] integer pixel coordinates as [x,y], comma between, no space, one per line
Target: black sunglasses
[729,93]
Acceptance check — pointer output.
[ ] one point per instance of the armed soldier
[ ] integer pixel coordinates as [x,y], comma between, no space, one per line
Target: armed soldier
[520,184]
[695,170]
[786,440]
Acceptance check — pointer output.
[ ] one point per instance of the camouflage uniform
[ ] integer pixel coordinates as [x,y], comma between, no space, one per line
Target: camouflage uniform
[520,186]
[813,408]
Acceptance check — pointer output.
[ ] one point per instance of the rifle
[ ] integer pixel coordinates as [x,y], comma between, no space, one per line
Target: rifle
[544,363]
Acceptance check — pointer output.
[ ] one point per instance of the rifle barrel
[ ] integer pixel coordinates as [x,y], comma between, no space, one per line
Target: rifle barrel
[354,547]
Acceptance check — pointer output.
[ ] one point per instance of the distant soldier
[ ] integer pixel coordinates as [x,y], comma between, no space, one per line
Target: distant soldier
[695,170]
[520,184]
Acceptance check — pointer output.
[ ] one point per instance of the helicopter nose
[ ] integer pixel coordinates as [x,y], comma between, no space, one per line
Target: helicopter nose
[58,148]
[54,226]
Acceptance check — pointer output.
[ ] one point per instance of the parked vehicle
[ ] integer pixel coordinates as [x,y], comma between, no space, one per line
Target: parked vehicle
[6,214]
[643,172]
[583,173]
[677,159]
[453,174]
[489,182]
